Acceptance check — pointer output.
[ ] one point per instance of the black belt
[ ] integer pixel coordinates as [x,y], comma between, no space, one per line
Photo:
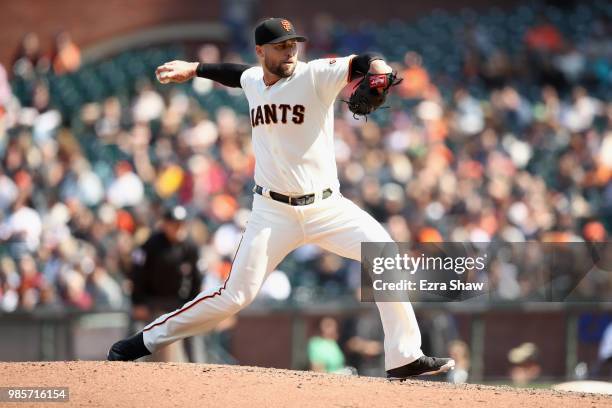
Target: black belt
[300,200]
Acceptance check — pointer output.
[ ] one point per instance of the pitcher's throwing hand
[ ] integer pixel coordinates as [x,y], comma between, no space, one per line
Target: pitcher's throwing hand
[176,71]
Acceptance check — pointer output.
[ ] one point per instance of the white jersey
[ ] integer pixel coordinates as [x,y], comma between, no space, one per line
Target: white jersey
[293,125]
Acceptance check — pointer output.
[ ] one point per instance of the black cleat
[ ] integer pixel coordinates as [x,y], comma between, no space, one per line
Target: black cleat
[128,349]
[422,366]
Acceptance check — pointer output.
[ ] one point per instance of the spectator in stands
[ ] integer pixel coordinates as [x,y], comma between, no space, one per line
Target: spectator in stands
[149,105]
[126,190]
[525,366]
[331,274]
[10,281]
[29,57]
[459,351]
[66,56]
[105,290]
[603,367]
[74,290]
[31,282]
[544,36]
[8,191]
[324,353]
[362,342]
[415,84]
[210,54]
[572,63]
[22,229]
[5,91]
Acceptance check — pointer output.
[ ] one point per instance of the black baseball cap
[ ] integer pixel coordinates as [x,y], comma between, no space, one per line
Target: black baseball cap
[276,30]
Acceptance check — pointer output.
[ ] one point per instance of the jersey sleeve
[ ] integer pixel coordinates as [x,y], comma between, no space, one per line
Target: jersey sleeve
[227,74]
[330,75]
[247,78]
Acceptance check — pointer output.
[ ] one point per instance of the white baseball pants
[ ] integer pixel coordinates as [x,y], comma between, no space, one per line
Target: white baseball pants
[273,231]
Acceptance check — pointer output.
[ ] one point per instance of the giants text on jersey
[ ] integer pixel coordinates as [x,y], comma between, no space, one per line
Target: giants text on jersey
[293,126]
[272,114]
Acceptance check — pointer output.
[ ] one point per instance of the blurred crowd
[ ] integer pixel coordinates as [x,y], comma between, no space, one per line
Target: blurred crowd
[30,59]
[478,157]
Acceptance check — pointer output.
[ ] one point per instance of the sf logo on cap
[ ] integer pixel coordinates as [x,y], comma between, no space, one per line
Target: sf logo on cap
[286,25]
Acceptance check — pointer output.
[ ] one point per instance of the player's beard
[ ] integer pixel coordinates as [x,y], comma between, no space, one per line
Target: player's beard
[283,71]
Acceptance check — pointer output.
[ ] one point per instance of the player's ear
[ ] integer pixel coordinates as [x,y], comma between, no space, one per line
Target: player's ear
[259,50]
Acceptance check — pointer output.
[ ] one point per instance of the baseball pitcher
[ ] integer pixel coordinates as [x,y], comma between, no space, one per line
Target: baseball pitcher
[296,198]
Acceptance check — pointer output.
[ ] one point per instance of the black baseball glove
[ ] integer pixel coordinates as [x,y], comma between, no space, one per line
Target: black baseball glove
[370,93]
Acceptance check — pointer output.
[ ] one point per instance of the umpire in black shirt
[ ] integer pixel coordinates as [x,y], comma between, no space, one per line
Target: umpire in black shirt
[165,275]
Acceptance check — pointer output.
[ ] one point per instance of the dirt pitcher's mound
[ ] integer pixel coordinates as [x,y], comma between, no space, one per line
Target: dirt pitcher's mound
[134,385]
